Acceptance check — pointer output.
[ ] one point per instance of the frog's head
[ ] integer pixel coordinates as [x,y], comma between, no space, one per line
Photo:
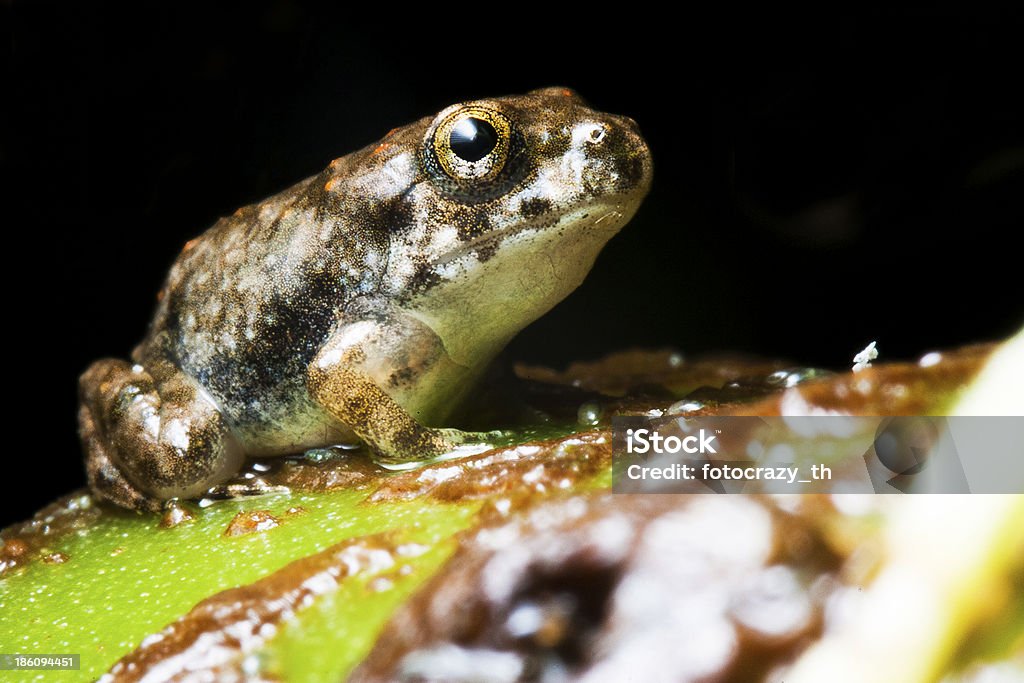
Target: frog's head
[545,151]
[512,200]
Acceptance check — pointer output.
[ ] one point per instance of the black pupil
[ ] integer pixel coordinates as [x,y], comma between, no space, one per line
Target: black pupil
[472,139]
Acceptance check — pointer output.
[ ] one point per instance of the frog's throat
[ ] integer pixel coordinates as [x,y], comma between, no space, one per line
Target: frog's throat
[478,304]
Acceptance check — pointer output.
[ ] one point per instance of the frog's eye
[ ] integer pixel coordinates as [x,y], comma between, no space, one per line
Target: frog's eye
[472,143]
[472,139]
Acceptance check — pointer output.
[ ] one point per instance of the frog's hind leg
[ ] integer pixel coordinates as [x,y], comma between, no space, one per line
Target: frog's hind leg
[105,479]
[151,435]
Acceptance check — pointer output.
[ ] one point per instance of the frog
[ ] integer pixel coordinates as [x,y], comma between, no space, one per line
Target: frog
[362,304]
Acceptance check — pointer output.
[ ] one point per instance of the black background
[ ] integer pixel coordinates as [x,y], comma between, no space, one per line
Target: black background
[820,182]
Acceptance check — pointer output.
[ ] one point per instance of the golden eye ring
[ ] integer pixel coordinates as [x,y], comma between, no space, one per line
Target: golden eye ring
[472,143]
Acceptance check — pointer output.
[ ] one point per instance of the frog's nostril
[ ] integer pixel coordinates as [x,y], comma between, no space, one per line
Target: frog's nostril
[596,135]
[589,133]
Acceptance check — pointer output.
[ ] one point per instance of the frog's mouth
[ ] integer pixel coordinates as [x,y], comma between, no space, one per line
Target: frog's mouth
[597,221]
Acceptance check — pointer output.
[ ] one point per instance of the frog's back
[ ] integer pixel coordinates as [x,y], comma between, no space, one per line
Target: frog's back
[249,302]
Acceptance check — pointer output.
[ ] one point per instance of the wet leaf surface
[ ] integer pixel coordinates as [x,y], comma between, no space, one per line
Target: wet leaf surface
[517,561]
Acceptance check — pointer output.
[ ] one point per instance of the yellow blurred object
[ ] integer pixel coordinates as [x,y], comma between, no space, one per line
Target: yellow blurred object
[949,558]
[999,388]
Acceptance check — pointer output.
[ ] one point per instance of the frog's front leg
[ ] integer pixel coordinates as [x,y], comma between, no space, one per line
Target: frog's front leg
[151,434]
[384,378]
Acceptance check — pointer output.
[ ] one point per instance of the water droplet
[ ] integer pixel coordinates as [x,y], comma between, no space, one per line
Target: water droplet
[251,665]
[55,558]
[684,406]
[321,454]
[381,584]
[175,514]
[774,603]
[930,359]
[790,377]
[589,414]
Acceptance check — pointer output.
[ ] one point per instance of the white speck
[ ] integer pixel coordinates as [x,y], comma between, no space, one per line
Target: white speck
[863,359]
[251,666]
[930,359]
[398,170]
[684,406]
[525,620]
[454,663]
[152,424]
[534,475]
[227,341]
[152,639]
[411,549]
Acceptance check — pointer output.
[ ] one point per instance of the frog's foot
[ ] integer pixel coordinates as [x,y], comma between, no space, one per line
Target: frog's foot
[452,444]
[151,434]
[347,380]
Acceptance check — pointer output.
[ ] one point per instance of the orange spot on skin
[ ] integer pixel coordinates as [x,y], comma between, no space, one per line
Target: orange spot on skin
[329,185]
[391,132]
[566,92]
[189,245]
[160,296]
[380,148]
[238,212]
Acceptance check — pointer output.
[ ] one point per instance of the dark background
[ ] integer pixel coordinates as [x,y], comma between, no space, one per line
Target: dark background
[820,182]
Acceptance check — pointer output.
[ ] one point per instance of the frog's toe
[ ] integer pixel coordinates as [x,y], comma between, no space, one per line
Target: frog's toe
[480,437]
[458,437]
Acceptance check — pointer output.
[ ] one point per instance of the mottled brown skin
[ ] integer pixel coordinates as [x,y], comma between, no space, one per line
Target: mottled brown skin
[362,303]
